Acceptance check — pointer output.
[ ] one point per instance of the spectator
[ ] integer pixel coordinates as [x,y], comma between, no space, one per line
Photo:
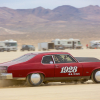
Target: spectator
[86,45]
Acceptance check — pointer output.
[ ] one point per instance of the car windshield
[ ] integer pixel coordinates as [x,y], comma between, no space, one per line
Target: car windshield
[24,58]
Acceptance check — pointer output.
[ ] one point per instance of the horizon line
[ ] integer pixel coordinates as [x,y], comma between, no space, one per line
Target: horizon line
[49,8]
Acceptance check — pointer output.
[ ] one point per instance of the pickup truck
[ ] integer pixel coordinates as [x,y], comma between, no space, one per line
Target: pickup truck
[37,68]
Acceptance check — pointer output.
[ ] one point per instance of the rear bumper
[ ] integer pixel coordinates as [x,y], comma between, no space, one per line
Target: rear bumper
[6,76]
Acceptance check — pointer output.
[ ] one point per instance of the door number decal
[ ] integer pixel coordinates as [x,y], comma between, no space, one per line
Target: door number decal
[70,70]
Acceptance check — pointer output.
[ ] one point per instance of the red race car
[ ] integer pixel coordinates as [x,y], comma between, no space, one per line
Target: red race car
[46,67]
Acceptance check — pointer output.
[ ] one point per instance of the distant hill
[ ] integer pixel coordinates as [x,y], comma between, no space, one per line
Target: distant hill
[4,31]
[61,13]
[39,23]
[91,13]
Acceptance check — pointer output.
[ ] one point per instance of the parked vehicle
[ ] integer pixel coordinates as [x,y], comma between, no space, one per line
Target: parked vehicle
[8,45]
[45,46]
[28,47]
[67,43]
[94,45]
[37,68]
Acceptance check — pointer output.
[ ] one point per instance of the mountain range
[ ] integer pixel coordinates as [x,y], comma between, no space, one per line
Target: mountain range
[18,19]
[50,23]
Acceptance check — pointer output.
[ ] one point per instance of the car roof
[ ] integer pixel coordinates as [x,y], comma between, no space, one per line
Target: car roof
[48,53]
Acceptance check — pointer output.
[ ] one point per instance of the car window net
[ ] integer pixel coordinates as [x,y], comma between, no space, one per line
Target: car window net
[63,59]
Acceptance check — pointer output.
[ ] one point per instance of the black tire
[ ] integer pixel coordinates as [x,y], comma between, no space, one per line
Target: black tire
[96,76]
[30,81]
[33,49]
[29,49]
[2,50]
[57,48]
[8,50]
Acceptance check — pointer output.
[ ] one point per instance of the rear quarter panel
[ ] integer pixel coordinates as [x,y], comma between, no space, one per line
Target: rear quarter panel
[89,67]
[32,66]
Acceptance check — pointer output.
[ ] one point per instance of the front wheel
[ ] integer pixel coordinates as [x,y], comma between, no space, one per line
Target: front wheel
[34,79]
[2,50]
[96,76]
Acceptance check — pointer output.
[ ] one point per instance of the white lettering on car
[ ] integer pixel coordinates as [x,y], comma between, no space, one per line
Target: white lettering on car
[70,70]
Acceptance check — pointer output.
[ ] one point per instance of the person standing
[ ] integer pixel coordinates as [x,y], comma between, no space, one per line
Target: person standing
[86,45]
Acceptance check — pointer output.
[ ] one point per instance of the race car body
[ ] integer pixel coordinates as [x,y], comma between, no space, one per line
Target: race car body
[36,68]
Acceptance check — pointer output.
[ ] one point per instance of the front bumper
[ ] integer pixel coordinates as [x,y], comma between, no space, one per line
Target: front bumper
[4,76]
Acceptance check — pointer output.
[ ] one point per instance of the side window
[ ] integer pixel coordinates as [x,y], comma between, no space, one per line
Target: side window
[47,60]
[63,59]
[69,42]
[58,42]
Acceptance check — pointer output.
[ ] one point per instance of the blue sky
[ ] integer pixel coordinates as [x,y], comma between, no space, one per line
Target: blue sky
[51,4]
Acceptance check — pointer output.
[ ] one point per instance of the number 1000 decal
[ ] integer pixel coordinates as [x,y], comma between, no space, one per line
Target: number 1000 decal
[70,70]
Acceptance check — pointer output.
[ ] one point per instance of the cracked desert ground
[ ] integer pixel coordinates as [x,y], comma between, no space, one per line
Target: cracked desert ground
[52,91]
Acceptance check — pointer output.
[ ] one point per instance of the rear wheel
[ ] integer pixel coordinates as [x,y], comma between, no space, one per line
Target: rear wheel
[34,79]
[8,50]
[96,76]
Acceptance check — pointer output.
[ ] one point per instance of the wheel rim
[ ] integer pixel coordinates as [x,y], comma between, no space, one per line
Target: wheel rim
[97,76]
[35,78]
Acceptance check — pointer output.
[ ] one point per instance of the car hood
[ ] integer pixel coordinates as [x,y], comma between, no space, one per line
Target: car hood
[9,63]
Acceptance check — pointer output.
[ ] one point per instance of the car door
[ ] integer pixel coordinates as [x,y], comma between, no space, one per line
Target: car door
[66,66]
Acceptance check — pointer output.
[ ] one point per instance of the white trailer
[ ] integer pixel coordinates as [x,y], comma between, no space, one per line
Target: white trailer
[8,45]
[94,44]
[45,46]
[67,43]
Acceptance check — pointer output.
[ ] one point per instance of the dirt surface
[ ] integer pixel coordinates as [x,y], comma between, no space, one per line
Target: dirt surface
[52,91]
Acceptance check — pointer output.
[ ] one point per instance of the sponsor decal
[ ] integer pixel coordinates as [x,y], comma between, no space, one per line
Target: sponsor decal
[70,70]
